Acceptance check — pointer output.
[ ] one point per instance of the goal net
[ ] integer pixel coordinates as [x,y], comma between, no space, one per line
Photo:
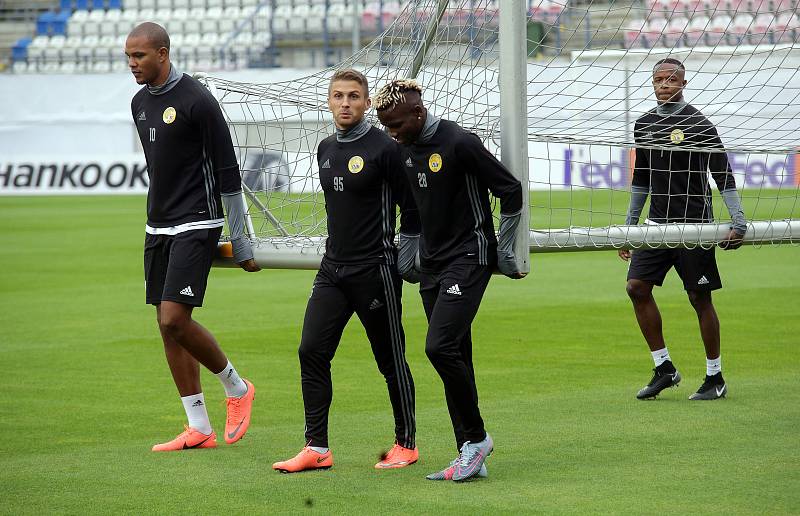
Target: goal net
[589,73]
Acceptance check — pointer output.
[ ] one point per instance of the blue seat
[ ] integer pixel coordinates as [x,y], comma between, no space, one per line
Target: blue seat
[44,23]
[59,22]
[19,52]
[115,4]
[82,4]
[66,4]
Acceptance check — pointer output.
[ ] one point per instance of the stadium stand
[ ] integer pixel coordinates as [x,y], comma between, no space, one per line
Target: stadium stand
[81,35]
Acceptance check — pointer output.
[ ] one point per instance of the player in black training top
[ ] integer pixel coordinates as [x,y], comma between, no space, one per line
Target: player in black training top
[193,172]
[361,176]
[451,174]
[676,147]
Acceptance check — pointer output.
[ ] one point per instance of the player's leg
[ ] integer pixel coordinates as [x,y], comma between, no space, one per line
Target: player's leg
[648,268]
[190,257]
[376,292]
[327,313]
[698,270]
[461,289]
[183,366]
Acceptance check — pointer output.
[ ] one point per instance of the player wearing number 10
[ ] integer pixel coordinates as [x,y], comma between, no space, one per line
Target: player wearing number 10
[362,178]
[193,172]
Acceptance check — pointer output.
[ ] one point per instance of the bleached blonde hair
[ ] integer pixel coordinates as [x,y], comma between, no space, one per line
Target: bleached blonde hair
[392,94]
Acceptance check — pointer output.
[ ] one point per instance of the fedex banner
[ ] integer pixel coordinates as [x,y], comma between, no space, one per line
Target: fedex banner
[552,166]
[612,167]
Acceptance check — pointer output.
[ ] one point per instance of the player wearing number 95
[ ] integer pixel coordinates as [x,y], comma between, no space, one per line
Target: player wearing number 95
[193,172]
[362,178]
[451,174]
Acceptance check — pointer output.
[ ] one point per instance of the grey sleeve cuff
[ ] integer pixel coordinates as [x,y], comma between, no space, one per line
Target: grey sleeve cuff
[734,205]
[506,260]
[408,257]
[242,249]
[638,198]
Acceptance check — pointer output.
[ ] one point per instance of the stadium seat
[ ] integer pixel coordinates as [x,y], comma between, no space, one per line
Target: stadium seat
[19,52]
[335,14]
[787,28]
[696,30]
[230,19]
[107,48]
[210,23]
[19,67]
[93,22]
[739,29]
[50,67]
[297,21]
[717,29]
[69,52]
[654,32]
[177,22]
[162,15]
[68,67]
[763,29]
[249,3]
[674,34]
[110,22]
[75,23]
[144,15]
[215,3]
[52,52]
[147,4]
[280,19]
[88,45]
[369,17]
[634,34]
[101,66]
[192,23]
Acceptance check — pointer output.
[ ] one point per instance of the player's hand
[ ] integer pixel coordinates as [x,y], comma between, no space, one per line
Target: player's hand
[625,254]
[518,275]
[250,265]
[733,240]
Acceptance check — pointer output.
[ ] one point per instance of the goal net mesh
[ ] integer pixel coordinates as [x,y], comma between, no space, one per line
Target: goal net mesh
[589,76]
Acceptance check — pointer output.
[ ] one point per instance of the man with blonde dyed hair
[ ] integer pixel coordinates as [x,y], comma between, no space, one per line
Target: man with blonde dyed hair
[451,174]
[362,178]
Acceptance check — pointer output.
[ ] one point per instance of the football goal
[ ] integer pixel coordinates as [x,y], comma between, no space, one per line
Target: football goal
[553,88]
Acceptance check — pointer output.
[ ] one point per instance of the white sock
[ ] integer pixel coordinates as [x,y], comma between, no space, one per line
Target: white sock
[319,449]
[195,407]
[713,366]
[660,356]
[233,384]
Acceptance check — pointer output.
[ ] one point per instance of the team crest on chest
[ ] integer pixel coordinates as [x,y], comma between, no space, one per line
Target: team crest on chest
[169,115]
[676,136]
[355,165]
[435,163]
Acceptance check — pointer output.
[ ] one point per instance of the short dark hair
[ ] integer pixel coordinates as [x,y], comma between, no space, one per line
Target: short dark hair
[348,74]
[155,34]
[670,60]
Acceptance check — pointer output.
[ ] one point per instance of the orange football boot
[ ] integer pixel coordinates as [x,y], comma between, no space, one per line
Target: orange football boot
[398,457]
[189,439]
[307,459]
[238,420]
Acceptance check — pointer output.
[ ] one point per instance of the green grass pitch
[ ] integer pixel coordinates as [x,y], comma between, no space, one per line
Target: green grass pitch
[86,391]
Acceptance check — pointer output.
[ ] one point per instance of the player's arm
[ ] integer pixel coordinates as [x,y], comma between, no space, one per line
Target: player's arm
[640,189]
[505,187]
[410,226]
[720,169]
[217,138]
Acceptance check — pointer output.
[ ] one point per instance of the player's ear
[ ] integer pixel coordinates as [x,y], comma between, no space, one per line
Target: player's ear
[163,54]
[369,102]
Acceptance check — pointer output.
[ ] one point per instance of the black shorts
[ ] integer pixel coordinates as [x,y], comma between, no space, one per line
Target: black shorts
[696,267]
[176,267]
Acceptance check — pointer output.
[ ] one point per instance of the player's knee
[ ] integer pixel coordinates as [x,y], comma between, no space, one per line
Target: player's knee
[699,299]
[172,324]
[637,290]
[435,351]
[308,352]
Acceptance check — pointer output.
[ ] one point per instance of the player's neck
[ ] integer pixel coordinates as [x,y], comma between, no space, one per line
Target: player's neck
[670,108]
[164,84]
[354,132]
